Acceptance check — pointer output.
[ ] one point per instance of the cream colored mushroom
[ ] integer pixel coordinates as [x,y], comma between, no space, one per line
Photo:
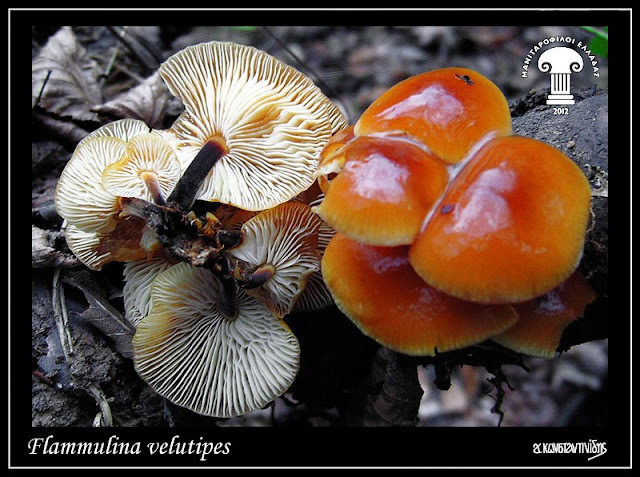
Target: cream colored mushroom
[188,352]
[130,240]
[149,170]
[125,129]
[120,159]
[83,200]
[278,253]
[80,197]
[139,276]
[316,295]
[265,123]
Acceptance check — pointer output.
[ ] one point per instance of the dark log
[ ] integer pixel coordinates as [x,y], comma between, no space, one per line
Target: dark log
[581,134]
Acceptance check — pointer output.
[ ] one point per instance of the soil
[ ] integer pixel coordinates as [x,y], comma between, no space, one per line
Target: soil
[94,384]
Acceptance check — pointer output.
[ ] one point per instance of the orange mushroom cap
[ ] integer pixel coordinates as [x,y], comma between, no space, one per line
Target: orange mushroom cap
[511,226]
[449,110]
[379,291]
[337,141]
[332,157]
[384,191]
[542,320]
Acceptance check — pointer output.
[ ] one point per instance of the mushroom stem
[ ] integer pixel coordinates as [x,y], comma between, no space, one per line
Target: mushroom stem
[228,239]
[153,185]
[184,194]
[227,294]
[259,277]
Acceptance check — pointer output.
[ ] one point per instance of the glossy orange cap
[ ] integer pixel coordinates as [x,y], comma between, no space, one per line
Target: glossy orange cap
[332,157]
[383,192]
[379,291]
[543,319]
[449,110]
[511,226]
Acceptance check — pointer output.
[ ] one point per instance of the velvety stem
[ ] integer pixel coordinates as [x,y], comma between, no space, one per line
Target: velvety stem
[184,194]
[153,186]
[227,294]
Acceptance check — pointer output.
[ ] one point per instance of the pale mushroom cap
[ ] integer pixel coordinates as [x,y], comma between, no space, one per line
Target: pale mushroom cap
[145,154]
[272,119]
[125,129]
[80,197]
[96,249]
[84,246]
[139,276]
[316,295]
[189,353]
[286,238]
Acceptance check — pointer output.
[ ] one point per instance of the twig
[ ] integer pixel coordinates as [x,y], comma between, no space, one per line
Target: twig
[103,418]
[497,381]
[42,377]
[61,316]
[107,71]
[44,84]
[149,63]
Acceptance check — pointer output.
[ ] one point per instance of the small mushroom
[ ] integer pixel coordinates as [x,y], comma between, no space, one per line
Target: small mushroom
[98,229]
[149,170]
[543,320]
[379,291]
[233,218]
[383,192]
[510,227]
[80,197]
[193,355]
[278,253]
[449,110]
[255,124]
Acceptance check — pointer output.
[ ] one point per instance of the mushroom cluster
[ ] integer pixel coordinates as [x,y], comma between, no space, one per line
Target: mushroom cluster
[451,229]
[213,220]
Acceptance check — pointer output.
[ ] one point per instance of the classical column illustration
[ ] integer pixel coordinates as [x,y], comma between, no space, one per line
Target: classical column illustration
[560,62]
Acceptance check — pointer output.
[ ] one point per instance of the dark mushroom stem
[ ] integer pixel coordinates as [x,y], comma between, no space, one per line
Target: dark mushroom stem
[259,277]
[153,186]
[184,194]
[227,294]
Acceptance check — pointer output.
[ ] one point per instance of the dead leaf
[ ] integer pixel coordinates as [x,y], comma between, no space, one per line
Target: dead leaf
[102,314]
[64,78]
[44,252]
[146,102]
